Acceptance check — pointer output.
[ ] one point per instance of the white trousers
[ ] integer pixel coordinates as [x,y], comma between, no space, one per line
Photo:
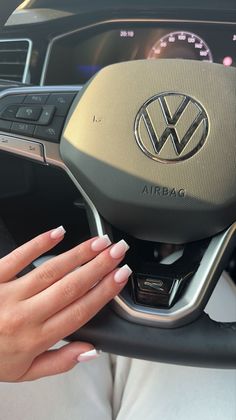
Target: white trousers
[127,389]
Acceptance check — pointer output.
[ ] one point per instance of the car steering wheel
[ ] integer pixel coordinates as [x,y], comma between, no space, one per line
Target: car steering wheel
[151,147]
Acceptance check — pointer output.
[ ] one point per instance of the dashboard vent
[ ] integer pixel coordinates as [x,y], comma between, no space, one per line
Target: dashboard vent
[14,59]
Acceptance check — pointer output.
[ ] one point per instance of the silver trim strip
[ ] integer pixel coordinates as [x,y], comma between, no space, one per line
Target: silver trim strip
[194,299]
[22,147]
[28,90]
[28,57]
[110,21]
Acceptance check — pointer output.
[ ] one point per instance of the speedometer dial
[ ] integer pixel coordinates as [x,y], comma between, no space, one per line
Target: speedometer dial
[181,44]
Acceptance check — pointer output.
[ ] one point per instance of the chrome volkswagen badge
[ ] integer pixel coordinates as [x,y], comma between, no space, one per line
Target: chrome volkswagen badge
[171,127]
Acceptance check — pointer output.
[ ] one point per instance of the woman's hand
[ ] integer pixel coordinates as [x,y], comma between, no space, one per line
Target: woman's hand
[52,301]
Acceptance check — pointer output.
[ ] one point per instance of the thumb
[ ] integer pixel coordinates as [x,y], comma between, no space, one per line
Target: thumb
[53,362]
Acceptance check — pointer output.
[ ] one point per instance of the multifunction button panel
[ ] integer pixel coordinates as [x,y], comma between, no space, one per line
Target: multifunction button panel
[35,115]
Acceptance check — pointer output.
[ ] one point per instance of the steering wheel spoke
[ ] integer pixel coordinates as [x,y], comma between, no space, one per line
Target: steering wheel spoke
[175,294]
[32,119]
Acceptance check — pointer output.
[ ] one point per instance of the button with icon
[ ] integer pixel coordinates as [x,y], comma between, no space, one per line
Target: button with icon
[29,112]
[46,115]
[62,102]
[10,112]
[22,128]
[37,99]
[51,132]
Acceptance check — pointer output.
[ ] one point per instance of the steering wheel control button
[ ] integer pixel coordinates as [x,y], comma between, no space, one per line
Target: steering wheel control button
[29,113]
[5,125]
[62,102]
[156,291]
[171,117]
[159,283]
[46,115]
[37,99]
[10,100]
[10,112]
[23,128]
[32,150]
[51,132]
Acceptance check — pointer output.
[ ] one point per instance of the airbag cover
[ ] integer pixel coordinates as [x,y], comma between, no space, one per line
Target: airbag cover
[153,144]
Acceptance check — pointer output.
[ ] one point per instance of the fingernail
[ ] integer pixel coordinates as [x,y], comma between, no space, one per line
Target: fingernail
[58,232]
[101,243]
[119,249]
[88,355]
[122,274]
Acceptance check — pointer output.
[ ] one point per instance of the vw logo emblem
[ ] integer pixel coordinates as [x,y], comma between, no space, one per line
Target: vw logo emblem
[171,127]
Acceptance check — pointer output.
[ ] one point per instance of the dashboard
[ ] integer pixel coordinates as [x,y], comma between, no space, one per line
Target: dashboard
[69,42]
[74,57]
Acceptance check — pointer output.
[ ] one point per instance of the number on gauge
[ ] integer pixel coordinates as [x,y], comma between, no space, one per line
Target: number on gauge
[181,44]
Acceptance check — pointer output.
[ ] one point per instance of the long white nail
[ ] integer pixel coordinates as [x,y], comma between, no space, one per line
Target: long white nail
[122,274]
[88,355]
[58,232]
[119,249]
[101,243]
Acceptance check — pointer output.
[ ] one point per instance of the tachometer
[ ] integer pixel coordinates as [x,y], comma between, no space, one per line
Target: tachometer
[181,44]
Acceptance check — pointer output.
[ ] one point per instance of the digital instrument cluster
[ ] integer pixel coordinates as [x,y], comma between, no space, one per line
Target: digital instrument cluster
[181,44]
[82,53]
